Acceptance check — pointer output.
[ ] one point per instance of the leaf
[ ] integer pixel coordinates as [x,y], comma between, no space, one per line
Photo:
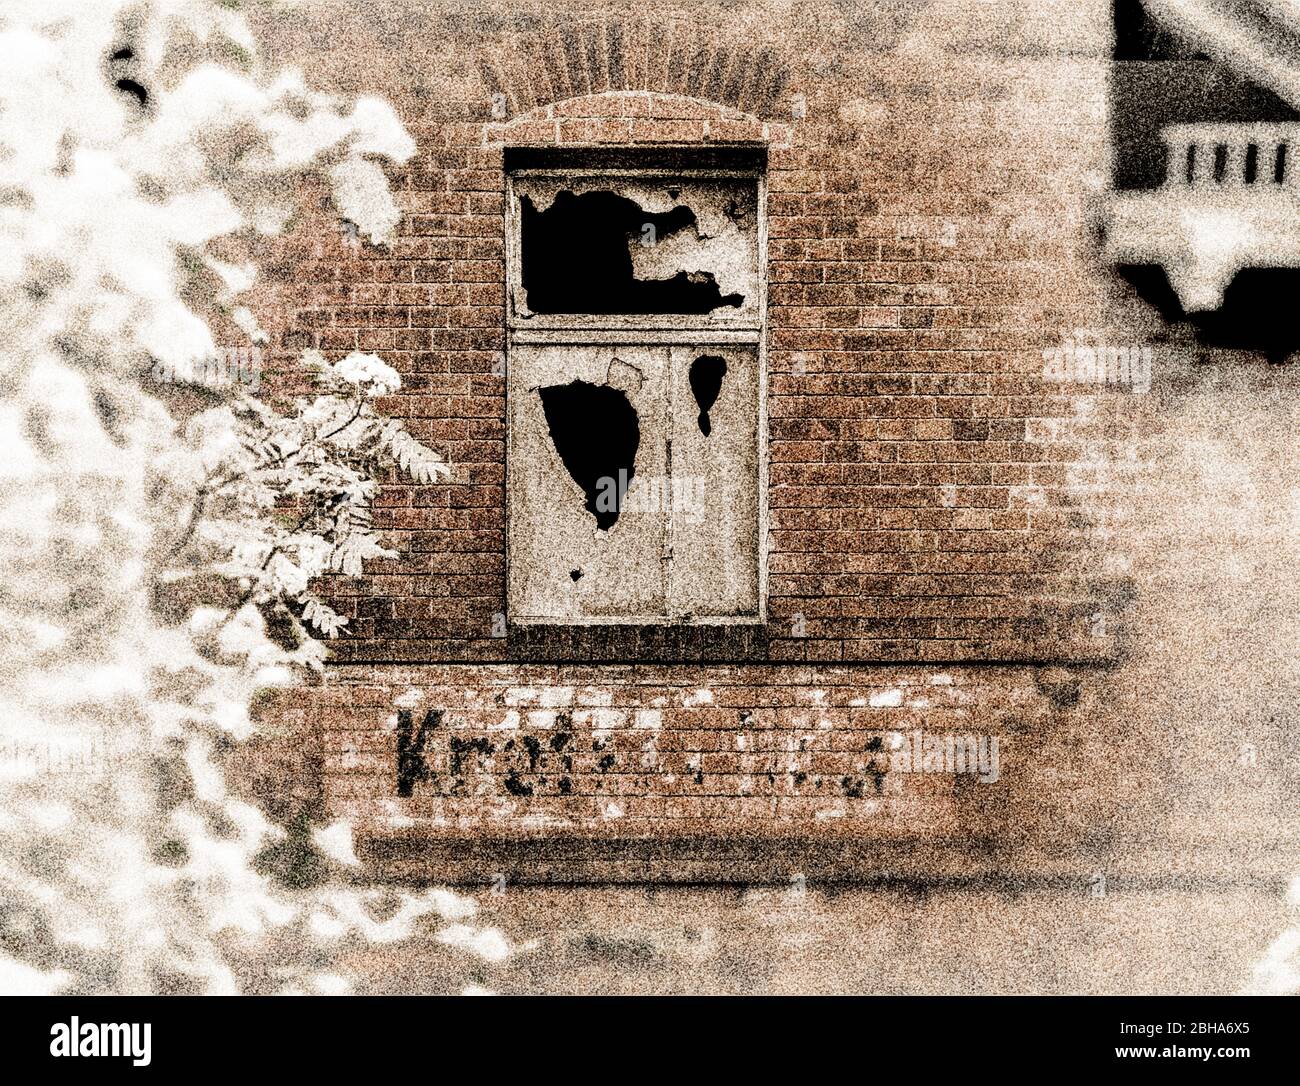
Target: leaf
[321,616]
[419,461]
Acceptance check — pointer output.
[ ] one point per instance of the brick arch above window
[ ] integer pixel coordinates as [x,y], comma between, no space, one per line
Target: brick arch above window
[675,59]
[632,117]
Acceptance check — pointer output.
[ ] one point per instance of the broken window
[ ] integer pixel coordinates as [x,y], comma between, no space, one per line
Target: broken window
[643,249]
[636,391]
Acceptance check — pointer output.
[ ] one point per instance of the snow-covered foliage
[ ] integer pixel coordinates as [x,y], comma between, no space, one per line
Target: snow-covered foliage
[159,559]
[284,498]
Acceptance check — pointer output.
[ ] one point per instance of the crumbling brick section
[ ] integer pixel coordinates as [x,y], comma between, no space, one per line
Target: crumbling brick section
[613,772]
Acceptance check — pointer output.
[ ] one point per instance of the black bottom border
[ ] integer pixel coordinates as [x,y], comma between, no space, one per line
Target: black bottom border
[556,1036]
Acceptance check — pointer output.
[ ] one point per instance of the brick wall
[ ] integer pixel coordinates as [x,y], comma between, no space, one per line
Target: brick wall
[936,174]
[540,758]
[922,226]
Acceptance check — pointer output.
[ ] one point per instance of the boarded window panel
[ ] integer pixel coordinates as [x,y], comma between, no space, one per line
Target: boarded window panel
[715,466]
[599,250]
[588,445]
[637,246]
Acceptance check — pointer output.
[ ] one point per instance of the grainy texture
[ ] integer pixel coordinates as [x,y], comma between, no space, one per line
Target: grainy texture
[937,172]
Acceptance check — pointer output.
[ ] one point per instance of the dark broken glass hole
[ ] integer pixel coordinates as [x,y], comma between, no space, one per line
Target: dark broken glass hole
[706,376]
[575,258]
[596,432]
[575,574]
[125,53]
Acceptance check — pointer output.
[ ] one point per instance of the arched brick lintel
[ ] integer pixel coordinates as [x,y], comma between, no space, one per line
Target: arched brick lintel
[680,59]
[635,117]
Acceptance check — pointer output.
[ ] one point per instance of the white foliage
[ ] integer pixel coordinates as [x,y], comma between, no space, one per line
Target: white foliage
[314,466]
[361,193]
[1278,972]
[335,840]
[490,944]
[145,548]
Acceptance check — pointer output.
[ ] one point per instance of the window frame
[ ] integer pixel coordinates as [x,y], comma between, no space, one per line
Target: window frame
[665,330]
